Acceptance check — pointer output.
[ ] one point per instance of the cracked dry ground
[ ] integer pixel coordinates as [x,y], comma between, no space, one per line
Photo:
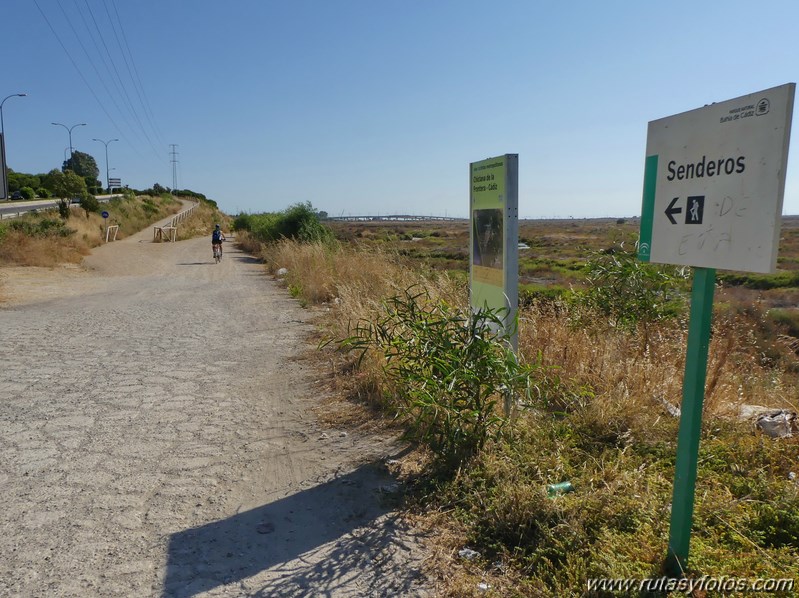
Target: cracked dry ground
[157,439]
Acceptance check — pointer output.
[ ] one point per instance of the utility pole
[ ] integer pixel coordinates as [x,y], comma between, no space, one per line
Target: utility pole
[69,130]
[174,161]
[105,143]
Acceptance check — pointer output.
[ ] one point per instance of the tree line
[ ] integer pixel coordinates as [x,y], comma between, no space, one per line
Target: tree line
[77,177]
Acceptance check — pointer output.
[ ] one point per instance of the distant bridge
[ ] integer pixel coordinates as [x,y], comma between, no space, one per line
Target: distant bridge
[393,218]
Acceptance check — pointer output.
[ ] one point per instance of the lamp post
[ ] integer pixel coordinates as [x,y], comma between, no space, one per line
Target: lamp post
[3,137]
[105,143]
[69,130]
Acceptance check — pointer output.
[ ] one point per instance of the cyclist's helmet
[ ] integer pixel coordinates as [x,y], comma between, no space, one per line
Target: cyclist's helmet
[217,226]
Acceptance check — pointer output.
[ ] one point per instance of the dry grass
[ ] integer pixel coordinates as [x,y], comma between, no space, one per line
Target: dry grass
[623,376]
[201,222]
[600,422]
[22,250]
[627,378]
[87,231]
[355,280]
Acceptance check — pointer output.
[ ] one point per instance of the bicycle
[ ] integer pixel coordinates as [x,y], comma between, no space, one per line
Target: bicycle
[217,252]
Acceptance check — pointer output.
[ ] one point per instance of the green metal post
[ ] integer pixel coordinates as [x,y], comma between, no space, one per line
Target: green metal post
[682,504]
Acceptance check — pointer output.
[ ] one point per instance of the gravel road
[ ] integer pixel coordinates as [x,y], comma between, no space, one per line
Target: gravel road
[157,439]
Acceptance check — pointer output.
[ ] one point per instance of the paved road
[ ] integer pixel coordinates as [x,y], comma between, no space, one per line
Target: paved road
[157,438]
[11,209]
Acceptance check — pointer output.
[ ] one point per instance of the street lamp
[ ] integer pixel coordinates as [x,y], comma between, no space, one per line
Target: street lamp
[69,130]
[105,143]
[3,136]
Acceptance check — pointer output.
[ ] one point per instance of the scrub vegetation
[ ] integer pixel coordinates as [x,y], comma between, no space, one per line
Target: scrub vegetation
[46,238]
[596,387]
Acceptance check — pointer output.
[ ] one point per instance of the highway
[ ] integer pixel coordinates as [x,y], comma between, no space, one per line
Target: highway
[13,208]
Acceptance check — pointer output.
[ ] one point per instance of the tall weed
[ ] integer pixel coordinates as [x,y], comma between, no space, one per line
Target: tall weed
[450,370]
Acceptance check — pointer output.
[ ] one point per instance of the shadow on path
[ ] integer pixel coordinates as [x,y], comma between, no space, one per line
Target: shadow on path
[246,258]
[333,539]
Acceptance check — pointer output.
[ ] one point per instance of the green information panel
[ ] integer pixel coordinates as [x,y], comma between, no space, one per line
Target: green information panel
[494,234]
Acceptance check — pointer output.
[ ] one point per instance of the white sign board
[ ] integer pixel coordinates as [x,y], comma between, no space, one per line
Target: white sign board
[494,237]
[714,183]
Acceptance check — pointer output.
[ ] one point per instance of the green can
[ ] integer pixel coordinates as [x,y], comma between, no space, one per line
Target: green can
[558,489]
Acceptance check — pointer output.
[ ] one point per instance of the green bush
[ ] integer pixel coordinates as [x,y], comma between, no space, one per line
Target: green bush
[149,207]
[46,227]
[778,280]
[300,222]
[89,203]
[242,222]
[27,193]
[450,368]
[628,291]
[43,193]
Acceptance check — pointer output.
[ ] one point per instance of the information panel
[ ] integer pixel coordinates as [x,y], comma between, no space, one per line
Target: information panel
[494,234]
[714,183]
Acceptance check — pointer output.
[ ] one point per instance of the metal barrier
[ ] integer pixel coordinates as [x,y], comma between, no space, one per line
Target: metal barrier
[114,228]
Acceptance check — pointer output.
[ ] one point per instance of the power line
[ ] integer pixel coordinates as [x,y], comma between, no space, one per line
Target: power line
[89,58]
[116,81]
[124,58]
[77,68]
[148,112]
[136,114]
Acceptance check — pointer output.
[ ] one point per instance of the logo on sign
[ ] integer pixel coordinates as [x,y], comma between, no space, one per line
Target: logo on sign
[763,107]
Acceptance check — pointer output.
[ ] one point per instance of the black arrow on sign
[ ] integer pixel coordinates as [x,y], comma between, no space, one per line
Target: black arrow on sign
[672,210]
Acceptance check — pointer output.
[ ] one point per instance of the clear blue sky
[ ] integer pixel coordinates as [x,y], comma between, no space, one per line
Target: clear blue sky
[367,106]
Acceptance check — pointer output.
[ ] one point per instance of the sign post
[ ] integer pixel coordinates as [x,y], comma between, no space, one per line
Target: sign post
[3,181]
[494,240]
[714,180]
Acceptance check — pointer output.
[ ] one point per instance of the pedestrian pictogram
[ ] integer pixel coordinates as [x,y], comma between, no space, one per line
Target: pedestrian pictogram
[696,209]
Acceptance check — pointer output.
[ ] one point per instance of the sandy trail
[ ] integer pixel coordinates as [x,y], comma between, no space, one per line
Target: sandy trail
[157,439]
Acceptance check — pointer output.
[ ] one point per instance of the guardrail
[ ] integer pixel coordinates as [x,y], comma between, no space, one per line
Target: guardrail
[10,215]
[182,216]
[170,231]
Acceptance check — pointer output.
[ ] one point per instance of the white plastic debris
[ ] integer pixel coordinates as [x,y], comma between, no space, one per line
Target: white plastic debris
[282,271]
[779,423]
[468,554]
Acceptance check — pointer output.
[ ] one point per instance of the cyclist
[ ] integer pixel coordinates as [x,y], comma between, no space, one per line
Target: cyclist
[216,240]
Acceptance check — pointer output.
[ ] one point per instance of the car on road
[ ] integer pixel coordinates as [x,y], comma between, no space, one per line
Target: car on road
[17,195]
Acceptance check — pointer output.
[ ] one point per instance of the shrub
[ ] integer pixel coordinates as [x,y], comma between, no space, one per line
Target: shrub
[89,203]
[63,208]
[300,222]
[449,368]
[27,193]
[628,291]
[46,227]
[242,222]
[43,193]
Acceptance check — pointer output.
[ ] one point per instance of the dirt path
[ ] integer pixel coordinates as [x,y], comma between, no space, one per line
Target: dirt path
[157,439]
